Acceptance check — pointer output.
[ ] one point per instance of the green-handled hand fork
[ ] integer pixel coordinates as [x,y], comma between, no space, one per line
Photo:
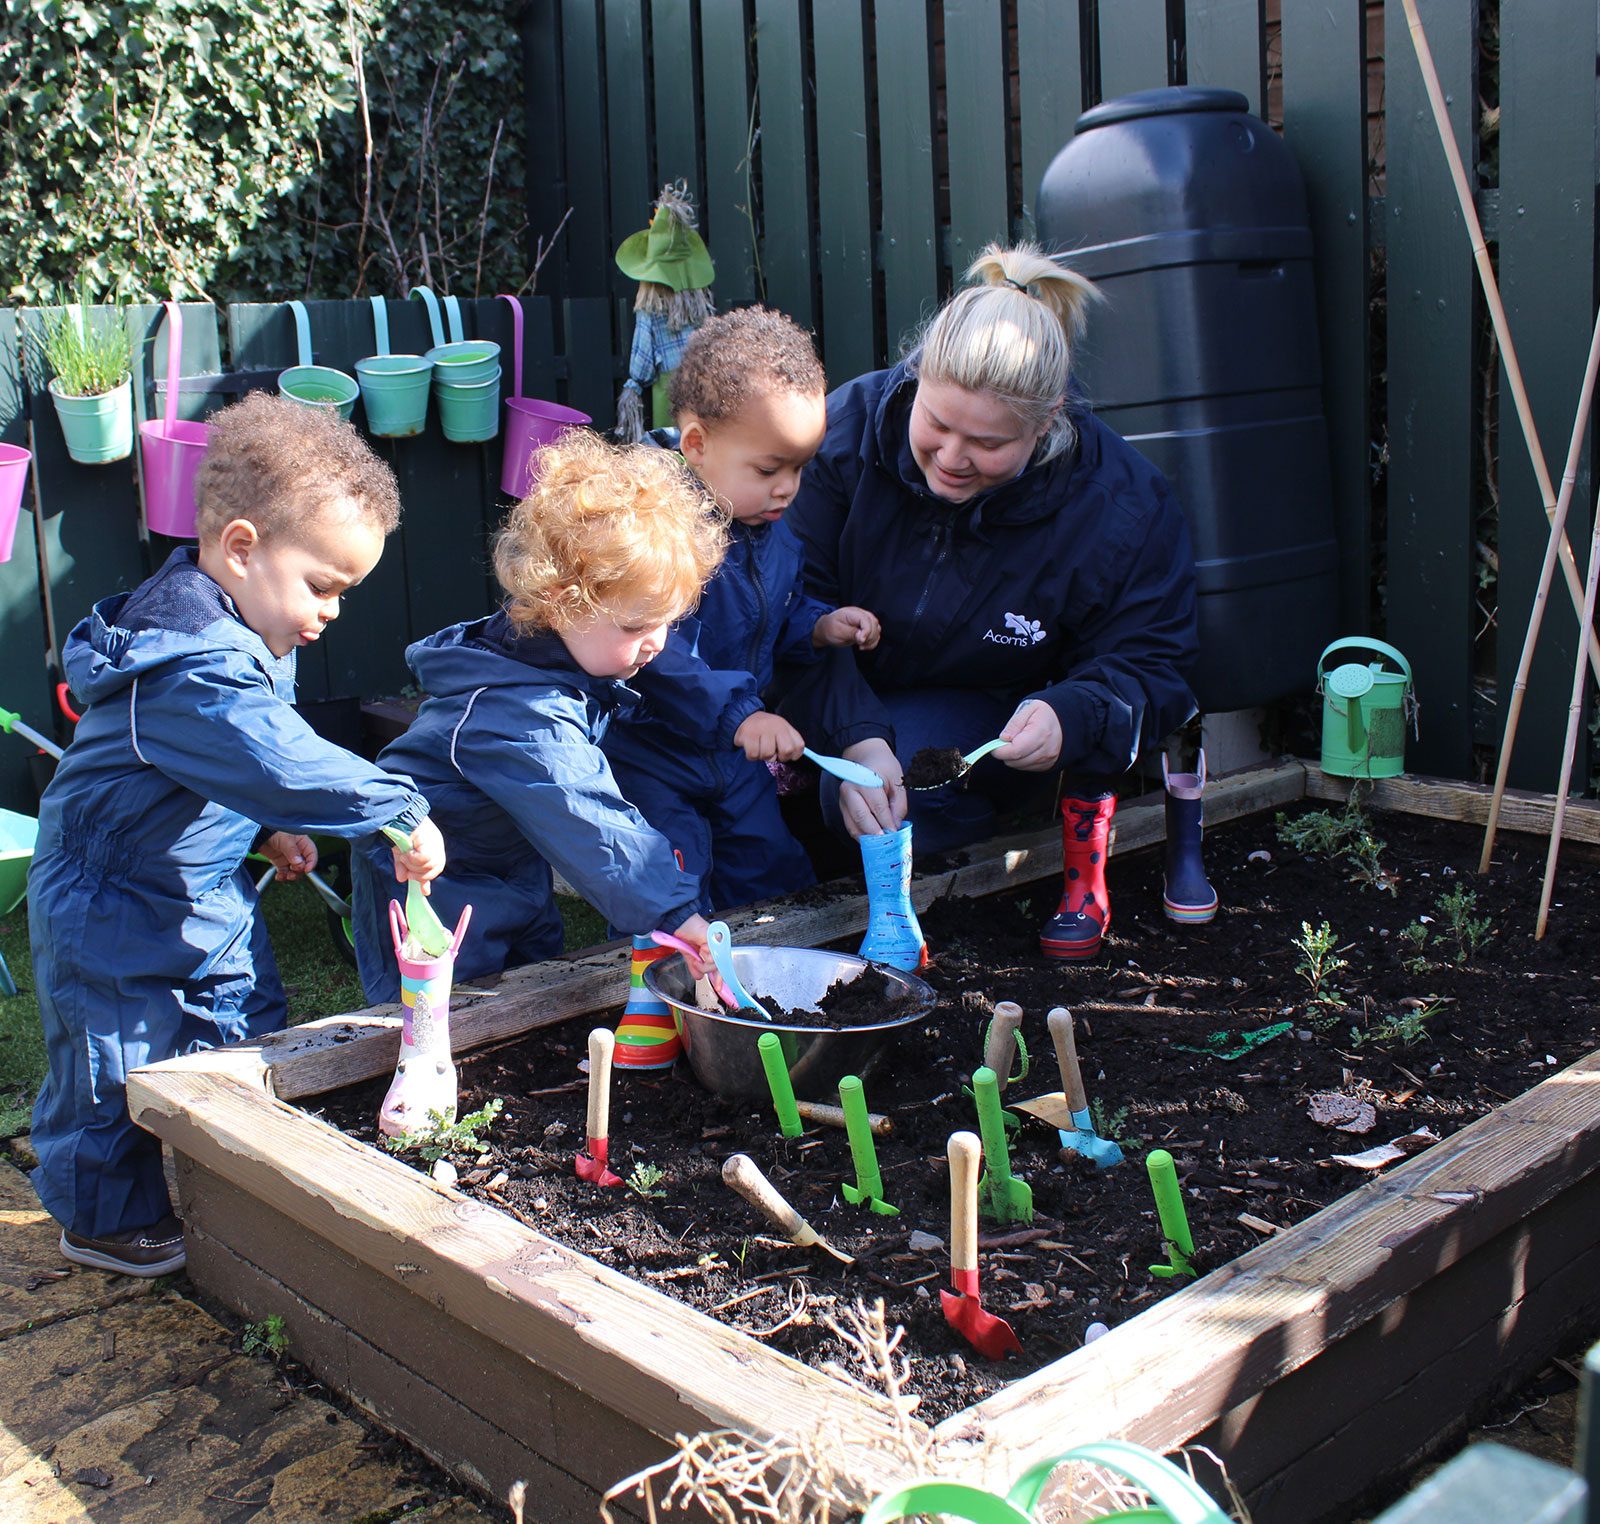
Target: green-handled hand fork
[1174,1220]
[868,1189]
[1001,1195]
[421,921]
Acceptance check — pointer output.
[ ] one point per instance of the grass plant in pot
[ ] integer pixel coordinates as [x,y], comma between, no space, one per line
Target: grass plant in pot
[90,355]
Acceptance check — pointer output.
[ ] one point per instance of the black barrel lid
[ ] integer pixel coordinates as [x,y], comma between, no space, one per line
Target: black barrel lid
[1167,101]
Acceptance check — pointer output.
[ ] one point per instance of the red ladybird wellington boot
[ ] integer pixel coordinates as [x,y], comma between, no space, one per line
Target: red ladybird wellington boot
[1078,927]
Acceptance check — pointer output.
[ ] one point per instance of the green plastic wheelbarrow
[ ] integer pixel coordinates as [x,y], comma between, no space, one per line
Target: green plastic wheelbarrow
[17,836]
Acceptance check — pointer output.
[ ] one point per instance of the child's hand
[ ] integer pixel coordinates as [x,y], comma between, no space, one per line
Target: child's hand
[848,626]
[1033,738]
[869,811]
[767,738]
[425,861]
[694,931]
[293,856]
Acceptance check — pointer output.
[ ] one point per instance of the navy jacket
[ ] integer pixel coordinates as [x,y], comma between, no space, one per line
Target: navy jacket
[1074,583]
[507,750]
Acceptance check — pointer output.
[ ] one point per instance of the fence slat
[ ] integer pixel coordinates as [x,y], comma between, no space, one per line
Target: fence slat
[785,193]
[725,84]
[546,140]
[1134,51]
[1431,388]
[22,633]
[1223,43]
[673,63]
[905,150]
[1324,123]
[628,184]
[844,206]
[975,79]
[591,383]
[1547,196]
[588,256]
[1050,83]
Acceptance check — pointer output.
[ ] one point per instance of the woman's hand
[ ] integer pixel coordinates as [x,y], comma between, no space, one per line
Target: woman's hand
[872,811]
[695,932]
[1033,738]
[425,861]
[847,626]
[768,737]
[293,856]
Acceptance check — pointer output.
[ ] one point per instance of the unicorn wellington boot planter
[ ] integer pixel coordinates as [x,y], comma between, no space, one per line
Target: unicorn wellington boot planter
[425,1078]
[893,934]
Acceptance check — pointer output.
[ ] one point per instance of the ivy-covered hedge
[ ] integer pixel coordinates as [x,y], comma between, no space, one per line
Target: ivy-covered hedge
[218,148]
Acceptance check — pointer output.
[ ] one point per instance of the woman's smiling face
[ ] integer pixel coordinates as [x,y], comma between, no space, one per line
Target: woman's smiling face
[966,442]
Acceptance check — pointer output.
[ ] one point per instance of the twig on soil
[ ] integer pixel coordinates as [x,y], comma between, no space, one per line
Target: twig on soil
[745,1296]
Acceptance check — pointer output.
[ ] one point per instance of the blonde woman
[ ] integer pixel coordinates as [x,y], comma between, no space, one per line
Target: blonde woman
[610,548]
[1032,573]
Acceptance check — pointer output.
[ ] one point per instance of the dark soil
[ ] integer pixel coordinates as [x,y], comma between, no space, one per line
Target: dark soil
[864,1001]
[933,766]
[1434,1045]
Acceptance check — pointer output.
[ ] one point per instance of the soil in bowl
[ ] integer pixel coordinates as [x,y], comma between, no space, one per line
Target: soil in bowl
[864,1001]
[1424,1005]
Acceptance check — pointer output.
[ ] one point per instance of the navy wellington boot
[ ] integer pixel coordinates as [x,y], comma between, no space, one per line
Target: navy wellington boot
[1189,898]
[1078,927]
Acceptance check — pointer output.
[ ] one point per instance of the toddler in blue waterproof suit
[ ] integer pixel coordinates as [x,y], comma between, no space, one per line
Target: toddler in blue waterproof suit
[609,548]
[748,398]
[146,941]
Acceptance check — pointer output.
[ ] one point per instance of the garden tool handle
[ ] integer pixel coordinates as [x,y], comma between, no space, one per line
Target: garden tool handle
[853,1102]
[744,1175]
[964,1152]
[516,343]
[1002,1043]
[602,1043]
[1061,1034]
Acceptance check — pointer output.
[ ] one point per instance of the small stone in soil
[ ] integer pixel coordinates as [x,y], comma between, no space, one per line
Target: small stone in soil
[932,766]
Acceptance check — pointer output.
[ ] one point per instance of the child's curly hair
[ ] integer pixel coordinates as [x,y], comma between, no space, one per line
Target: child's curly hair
[743,354]
[607,530]
[281,465]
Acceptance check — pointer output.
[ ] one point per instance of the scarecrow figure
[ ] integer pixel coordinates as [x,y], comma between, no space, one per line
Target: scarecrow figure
[674,271]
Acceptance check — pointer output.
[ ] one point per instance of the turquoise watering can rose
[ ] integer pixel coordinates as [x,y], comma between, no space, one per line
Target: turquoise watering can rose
[1175,1497]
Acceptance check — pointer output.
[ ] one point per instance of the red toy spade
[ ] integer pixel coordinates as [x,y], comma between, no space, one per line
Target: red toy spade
[592,1163]
[963,1310]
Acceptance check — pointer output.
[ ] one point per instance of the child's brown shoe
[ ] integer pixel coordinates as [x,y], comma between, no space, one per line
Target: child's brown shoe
[156,1250]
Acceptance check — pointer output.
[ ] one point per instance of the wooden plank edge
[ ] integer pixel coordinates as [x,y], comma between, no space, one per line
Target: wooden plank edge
[339,1050]
[656,1361]
[1447,799]
[1251,1322]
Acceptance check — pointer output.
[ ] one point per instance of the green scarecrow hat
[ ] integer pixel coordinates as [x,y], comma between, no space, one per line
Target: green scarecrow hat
[669,251]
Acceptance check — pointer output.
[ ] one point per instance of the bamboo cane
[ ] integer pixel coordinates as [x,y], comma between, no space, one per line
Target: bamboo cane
[1519,687]
[1574,718]
[1497,311]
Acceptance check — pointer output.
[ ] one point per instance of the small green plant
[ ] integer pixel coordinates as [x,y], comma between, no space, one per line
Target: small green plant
[1346,835]
[1412,956]
[91,360]
[268,1337]
[1319,962]
[1469,931]
[1403,1031]
[643,1180]
[445,1136]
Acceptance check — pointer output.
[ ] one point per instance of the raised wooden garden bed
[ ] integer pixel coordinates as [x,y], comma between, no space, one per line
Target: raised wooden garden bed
[1314,1363]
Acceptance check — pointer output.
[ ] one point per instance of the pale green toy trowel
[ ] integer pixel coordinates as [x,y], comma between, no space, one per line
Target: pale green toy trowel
[433,937]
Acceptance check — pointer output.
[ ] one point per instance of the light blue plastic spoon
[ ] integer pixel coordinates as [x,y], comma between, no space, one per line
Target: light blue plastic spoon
[850,772]
[721,944]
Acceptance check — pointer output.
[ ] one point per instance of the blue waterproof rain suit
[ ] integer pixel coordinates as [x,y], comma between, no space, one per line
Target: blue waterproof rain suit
[1073,583]
[507,750]
[715,805]
[146,942]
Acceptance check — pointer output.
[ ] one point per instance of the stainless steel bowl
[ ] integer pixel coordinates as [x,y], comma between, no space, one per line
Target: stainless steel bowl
[722,1047]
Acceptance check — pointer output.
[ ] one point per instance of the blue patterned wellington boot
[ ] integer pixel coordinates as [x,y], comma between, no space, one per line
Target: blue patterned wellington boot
[1189,898]
[1084,917]
[647,1034]
[893,935]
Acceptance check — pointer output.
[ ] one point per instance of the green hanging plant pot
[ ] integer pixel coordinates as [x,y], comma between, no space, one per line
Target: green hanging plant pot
[98,429]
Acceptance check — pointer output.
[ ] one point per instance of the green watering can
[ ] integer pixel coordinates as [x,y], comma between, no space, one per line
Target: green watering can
[1364,712]
[1174,1496]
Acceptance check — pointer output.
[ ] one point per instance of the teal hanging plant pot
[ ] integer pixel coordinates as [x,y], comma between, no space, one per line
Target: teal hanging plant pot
[98,428]
[90,355]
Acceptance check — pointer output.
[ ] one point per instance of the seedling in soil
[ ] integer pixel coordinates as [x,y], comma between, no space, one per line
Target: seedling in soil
[1347,835]
[446,1137]
[1111,1126]
[267,1337]
[1469,931]
[1403,1031]
[643,1180]
[1319,962]
[1416,936]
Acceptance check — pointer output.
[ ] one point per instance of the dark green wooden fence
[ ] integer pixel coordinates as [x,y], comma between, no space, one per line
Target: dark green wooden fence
[850,157]
[80,536]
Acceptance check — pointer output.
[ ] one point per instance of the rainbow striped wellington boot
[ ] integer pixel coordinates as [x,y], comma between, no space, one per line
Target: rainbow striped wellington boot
[647,1035]
[1188,897]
